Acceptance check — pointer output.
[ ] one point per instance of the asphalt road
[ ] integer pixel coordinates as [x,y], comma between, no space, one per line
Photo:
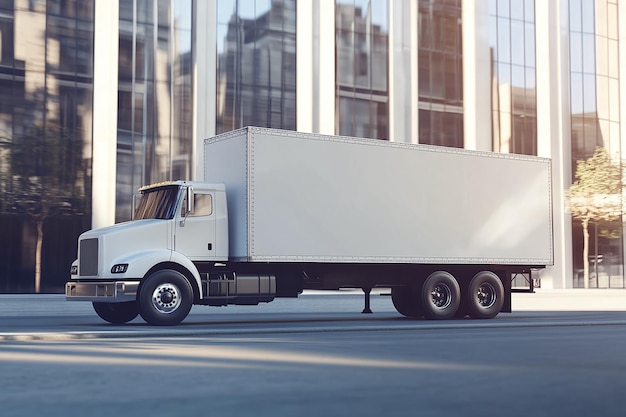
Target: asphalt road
[559,353]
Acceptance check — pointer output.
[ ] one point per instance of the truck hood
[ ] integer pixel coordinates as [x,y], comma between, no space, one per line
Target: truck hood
[101,248]
[124,228]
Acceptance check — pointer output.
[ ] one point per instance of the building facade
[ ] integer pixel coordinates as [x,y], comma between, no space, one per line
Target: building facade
[98,97]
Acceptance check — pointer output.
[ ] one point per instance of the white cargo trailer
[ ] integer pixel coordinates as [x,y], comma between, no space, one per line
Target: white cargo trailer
[284,211]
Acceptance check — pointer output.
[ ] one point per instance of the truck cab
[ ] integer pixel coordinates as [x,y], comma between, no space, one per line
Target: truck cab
[179,230]
[173,219]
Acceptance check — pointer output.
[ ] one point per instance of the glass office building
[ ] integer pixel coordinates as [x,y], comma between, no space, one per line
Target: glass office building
[98,97]
[46,111]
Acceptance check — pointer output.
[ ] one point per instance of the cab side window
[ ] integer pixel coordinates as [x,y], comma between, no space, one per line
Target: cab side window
[202,205]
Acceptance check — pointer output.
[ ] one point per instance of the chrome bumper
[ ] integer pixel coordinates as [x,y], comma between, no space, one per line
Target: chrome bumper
[102,292]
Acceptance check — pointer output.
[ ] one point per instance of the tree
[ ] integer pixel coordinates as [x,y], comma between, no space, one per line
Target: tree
[47,179]
[595,195]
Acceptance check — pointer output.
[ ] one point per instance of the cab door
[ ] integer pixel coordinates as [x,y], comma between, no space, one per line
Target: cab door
[195,230]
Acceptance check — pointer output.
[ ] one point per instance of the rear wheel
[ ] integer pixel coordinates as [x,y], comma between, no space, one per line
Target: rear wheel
[117,313]
[405,301]
[485,296]
[165,298]
[441,296]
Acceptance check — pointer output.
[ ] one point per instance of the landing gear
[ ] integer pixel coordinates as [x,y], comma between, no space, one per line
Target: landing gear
[367,309]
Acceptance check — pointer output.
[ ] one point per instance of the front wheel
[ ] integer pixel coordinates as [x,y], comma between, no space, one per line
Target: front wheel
[485,296]
[441,296]
[165,298]
[117,313]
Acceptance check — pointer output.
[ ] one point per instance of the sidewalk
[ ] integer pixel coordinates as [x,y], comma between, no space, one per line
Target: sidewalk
[570,300]
[575,299]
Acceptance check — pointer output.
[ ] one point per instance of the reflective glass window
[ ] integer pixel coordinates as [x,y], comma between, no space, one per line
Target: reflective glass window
[576,93]
[202,205]
[504,8]
[589,94]
[504,40]
[601,18]
[361,53]
[575,16]
[182,14]
[612,26]
[529,11]
[576,52]
[613,59]
[595,122]
[588,53]
[588,16]
[226,10]
[517,42]
[46,96]
[443,128]
[440,72]
[512,41]
[155,95]
[256,64]
[7,43]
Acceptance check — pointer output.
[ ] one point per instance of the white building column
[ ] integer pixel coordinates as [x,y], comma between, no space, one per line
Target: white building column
[306,44]
[476,76]
[403,92]
[553,129]
[315,84]
[104,151]
[323,67]
[315,80]
[204,46]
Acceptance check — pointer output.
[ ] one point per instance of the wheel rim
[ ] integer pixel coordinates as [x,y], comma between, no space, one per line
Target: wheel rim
[486,295]
[166,298]
[441,296]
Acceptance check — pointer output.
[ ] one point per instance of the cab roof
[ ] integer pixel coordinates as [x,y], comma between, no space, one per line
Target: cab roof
[178,183]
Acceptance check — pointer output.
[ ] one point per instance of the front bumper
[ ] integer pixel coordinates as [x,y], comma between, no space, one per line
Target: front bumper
[102,291]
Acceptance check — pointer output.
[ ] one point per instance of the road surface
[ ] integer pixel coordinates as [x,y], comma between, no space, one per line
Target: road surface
[560,353]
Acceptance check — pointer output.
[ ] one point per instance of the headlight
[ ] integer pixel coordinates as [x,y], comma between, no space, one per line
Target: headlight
[119,268]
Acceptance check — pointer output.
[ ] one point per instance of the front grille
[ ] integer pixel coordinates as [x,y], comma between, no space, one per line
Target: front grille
[88,258]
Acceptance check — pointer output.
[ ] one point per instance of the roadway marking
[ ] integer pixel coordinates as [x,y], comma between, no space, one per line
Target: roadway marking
[186,332]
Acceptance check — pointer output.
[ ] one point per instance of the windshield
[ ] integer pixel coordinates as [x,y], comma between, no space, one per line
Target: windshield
[157,203]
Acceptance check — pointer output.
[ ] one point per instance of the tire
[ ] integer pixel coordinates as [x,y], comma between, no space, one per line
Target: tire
[441,296]
[165,298]
[117,313]
[485,296]
[405,301]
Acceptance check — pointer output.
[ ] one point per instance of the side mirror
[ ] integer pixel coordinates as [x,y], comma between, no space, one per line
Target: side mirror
[189,204]
[189,201]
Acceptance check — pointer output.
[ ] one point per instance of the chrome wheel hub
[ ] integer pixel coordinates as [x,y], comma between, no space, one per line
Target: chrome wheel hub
[166,298]
[486,295]
[441,296]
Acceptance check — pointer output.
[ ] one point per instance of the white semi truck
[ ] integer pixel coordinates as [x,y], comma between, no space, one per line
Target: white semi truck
[280,212]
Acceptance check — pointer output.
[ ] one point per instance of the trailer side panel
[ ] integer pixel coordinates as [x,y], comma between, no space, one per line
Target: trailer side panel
[314,198]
